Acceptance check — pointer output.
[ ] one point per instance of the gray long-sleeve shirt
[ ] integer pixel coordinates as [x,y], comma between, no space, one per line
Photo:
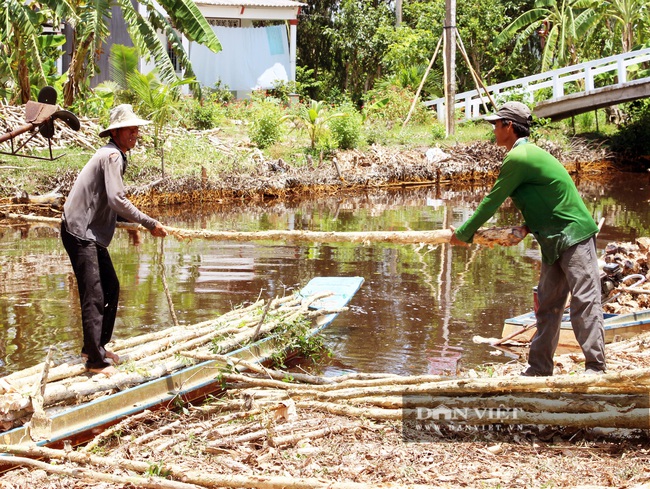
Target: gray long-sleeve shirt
[97,198]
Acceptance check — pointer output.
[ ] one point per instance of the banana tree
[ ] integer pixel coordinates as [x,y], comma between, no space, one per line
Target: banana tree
[562,25]
[90,21]
[632,17]
[19,45]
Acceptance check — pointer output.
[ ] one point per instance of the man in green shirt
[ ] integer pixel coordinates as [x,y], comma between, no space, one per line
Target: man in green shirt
[553,211]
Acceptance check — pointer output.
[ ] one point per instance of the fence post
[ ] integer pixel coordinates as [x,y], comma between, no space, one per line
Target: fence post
[558,87]
[589,78]
[622,71]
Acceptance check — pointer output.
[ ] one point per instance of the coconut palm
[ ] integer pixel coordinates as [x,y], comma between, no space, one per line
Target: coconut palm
[314,118]
[158,101]
[561,25]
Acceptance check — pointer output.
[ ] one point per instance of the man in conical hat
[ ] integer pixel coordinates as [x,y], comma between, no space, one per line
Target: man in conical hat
[90,215]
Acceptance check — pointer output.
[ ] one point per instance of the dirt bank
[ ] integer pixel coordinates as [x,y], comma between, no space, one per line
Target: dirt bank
[344,171]
[261,178]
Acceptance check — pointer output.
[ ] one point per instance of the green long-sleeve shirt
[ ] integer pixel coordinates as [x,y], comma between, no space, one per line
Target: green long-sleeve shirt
[544,193]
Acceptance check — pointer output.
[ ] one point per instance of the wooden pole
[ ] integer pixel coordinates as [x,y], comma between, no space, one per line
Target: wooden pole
[170,303]
[477,79]
[419,90]
[505,236]
[450,63]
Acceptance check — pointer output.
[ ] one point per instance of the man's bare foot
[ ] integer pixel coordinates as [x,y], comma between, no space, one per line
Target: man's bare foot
[107,371]
[113,356]
[109,354]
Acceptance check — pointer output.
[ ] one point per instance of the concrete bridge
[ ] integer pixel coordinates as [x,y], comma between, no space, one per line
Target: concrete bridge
[565,92]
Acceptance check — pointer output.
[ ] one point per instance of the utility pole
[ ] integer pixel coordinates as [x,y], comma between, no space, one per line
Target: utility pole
[450,65]
[398,13]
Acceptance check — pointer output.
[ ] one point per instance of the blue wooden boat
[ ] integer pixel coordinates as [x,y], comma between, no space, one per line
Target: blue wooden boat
[80,423]
[617,326]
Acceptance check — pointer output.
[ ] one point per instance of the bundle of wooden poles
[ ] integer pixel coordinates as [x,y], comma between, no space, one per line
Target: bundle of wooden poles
[613,400]
[147,357]
[86,137]
[279,409]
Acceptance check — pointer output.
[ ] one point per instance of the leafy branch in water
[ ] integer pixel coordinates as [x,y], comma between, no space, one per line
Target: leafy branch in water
[296,338]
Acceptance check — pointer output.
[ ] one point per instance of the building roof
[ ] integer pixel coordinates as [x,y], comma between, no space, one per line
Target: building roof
[250,3]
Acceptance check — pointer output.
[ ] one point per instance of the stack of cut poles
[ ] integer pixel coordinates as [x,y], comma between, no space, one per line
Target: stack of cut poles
[147,357]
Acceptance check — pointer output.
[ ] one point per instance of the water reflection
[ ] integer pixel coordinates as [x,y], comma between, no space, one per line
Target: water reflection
[416,313]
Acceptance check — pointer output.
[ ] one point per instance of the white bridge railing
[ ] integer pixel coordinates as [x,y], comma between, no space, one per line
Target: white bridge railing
[582,76]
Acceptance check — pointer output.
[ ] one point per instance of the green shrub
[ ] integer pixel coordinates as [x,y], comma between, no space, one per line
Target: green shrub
[438,131]
[325,145]
[314,119]
[97,103]
[282,91]
[376,133]
[204,114]
[266,125]
[221,93]
[239,109]
[346,129]
[585,122]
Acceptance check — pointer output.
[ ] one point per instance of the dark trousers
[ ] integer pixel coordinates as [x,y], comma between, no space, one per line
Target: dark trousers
[99,291]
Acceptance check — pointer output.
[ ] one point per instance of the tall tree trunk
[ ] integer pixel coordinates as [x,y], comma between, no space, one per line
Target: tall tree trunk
[22,76]
[628,38]
[76,71]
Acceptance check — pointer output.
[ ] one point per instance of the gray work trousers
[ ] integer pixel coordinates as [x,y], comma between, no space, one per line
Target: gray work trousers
[575,272]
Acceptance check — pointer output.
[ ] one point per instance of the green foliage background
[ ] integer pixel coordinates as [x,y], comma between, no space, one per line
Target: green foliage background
[352,54]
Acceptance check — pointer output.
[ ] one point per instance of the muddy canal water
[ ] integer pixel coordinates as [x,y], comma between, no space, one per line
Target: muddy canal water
[416,313]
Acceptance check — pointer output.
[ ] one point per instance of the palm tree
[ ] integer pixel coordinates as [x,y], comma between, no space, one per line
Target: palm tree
[159,102]
[561,25]
[633,18]
[314,119]
[90,19]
